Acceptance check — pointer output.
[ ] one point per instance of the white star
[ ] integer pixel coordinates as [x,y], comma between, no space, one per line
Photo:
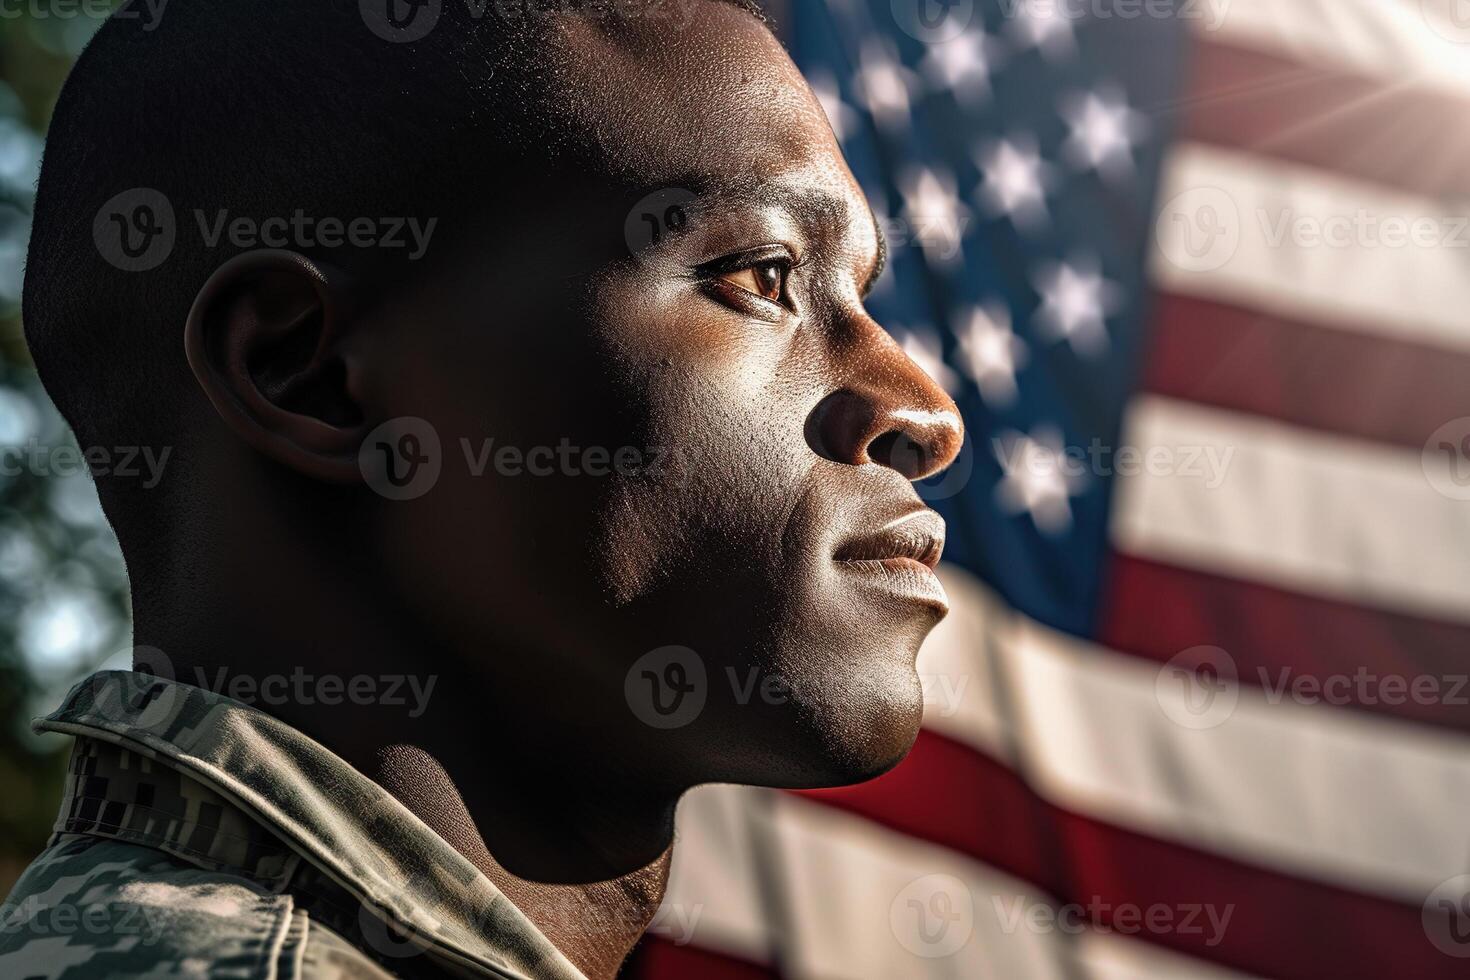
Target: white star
[840,115]
[1104,131]
[1075,303]
[1044,24]
[925,349]
[992,353]
[936,217]
[1015,181]
[962,66]
[882,82]
[1040,478]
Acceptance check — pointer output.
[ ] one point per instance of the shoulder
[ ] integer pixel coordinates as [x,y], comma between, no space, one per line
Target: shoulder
[89,907]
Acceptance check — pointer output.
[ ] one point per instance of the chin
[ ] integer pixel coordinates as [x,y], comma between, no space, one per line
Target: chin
[850,702]
[871,739]
[844,729]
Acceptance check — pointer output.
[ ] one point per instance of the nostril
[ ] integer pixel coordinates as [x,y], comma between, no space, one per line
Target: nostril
[896,450]
[856,427]
[837,428]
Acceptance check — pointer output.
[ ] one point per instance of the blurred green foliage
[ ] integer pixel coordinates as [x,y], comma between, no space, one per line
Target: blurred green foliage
[63,592]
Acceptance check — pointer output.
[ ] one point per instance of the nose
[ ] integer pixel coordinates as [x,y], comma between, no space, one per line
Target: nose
[888,411]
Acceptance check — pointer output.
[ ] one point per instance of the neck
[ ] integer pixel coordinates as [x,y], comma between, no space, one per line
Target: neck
[594,923]
[578,843]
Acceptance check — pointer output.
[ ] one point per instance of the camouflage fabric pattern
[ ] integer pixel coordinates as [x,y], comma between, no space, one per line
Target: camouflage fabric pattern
[198,837]
[114,792]
[93,908]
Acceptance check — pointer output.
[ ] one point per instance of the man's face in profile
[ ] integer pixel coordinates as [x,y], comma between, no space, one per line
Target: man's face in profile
[705,544]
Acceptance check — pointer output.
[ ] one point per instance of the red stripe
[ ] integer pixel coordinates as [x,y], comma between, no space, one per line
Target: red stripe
[1386,390]
[661,959]
[1280,926]
[1387,132]
[1155,610]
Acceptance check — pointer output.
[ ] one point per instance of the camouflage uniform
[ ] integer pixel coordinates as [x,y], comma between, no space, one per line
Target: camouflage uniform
[199,837]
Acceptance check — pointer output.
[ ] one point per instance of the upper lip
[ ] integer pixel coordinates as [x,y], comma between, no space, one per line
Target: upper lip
[918,535]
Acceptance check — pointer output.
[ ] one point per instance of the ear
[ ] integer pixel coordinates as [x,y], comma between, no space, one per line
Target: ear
[264,339]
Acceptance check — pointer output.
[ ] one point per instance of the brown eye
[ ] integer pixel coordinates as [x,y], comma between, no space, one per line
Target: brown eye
[767,280]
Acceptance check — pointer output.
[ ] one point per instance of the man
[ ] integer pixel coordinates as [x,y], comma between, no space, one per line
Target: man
[481,543]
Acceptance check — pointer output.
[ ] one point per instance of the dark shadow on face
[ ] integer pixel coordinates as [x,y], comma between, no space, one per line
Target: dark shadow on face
[709,563]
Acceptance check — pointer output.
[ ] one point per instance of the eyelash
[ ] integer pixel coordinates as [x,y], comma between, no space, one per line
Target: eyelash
[714,273]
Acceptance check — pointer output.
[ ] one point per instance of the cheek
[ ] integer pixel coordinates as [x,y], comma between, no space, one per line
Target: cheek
[527,447]
[726,479]
[494,550]
[713,396]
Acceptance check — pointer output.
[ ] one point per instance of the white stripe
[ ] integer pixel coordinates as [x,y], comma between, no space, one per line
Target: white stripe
[1390,39]
[1281,266]
[714,892]
[1315,513]
[961,699]
[846,886]
[847,879]
[1345,797]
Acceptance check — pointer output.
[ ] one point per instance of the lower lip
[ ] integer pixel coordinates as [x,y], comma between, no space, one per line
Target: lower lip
[905,578]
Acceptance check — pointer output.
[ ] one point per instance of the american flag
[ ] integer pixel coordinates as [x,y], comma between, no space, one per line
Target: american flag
[1197,273]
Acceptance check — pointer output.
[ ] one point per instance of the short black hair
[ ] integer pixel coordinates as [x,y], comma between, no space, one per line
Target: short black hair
[261,108]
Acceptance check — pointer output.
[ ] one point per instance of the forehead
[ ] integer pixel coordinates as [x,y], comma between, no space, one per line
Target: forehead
[699,92]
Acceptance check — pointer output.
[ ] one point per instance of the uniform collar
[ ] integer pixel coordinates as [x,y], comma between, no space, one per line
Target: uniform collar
[342,823]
